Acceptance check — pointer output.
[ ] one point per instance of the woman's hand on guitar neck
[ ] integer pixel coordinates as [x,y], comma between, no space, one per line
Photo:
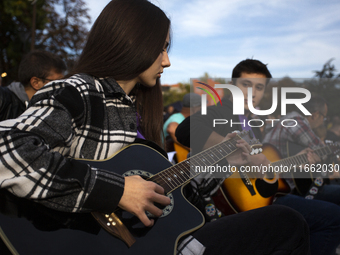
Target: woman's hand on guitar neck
[140,195]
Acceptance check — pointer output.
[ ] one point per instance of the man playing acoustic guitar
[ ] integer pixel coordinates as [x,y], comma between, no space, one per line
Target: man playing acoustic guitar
[198,132]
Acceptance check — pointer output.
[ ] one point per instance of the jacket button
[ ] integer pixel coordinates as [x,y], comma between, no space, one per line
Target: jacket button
[132,126]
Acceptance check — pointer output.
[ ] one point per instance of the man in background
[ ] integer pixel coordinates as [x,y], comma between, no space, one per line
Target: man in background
[191,104]
[299,134]
[35,70]
[333,134]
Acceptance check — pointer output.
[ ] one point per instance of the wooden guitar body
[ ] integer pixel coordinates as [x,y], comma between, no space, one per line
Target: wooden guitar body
[181,152]
[242,193]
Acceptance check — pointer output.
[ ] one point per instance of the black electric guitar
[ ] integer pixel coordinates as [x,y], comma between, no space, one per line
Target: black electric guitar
[30,228]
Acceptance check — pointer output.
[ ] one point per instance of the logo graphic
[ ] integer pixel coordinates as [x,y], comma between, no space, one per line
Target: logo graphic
[238,99]
[207,91]
[238,104]
[204,97]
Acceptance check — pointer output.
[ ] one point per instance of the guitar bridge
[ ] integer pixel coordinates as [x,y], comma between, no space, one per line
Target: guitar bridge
[112,224]
[248,184]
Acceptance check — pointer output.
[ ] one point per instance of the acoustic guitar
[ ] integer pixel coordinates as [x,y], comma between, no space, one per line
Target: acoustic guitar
[181,152]
[240,192]
[27,227]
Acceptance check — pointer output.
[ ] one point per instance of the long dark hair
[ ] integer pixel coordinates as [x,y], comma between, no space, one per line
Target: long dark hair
[149,106]
[124,41]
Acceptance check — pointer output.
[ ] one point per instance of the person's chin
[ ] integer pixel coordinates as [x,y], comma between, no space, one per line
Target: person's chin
[154,82]
[150,84]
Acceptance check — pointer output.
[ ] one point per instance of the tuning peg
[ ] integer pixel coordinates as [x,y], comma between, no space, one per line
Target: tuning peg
[254,151]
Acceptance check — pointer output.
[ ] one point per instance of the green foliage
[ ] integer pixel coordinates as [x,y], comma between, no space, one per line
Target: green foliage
[326,84]
[172,96]
[59,28]
[328,71]
[206,77]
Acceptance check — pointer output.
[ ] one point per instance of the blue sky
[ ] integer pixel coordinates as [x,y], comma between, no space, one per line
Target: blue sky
[294,37]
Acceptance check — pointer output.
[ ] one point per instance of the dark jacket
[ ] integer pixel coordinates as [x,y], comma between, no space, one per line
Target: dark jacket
[195,130]
[12,101]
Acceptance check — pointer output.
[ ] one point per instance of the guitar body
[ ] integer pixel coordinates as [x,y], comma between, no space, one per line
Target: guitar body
[306,180]
[240,193]
[30,228]
[181,152]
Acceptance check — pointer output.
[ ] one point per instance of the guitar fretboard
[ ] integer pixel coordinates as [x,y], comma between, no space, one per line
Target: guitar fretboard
[181,173]
[302,158]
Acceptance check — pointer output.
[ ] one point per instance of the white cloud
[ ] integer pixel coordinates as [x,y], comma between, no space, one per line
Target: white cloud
[294,37]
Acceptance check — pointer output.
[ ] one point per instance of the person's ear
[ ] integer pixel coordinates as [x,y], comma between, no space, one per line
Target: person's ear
[35,83]
[312,117]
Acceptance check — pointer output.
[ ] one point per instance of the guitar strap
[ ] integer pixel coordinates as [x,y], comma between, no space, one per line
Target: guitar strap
[314,188]
[201,199]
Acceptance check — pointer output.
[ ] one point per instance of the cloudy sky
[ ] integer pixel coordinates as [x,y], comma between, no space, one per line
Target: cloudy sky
[294,37]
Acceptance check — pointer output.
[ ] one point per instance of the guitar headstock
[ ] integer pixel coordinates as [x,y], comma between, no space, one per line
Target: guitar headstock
[334,146]
[254,143]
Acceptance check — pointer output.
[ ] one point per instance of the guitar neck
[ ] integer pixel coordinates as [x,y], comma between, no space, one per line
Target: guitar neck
[302,158]
[181,173]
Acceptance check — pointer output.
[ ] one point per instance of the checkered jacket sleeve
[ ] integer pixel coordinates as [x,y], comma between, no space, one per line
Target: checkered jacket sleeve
[298,131]
[66,120]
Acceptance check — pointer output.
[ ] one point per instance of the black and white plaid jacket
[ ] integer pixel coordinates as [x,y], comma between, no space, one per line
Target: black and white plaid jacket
[80,117]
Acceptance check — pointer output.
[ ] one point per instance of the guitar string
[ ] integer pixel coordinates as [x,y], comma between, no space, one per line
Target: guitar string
[210,154]
[180,166]
[302,158]
[168,180]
